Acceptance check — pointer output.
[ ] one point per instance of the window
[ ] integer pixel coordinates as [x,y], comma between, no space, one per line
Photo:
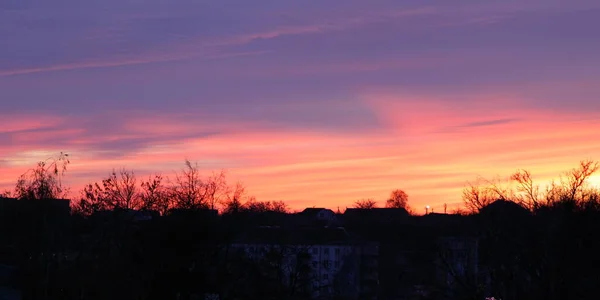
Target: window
[326,250]
[315,264]
[326,264]
[252,249]
[337,251]
[315,251]
[325,276]
[337,263]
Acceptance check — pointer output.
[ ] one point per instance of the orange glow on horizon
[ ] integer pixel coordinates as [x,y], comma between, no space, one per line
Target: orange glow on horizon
[428,149]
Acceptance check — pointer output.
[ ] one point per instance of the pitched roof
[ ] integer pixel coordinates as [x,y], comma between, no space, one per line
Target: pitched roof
[313,210]
[504,207]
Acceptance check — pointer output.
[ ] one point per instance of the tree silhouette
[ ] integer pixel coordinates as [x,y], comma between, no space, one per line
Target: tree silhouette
[577,177]
[529,193]
[216,189]
[265,206]
[365,204]
[6,194]
[481,193]
[188,189]
[398,199]
[234,199]
[45,180]
[571,187]
[118,191]
[155,195]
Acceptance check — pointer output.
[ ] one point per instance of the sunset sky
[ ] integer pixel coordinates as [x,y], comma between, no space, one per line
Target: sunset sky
[318,103]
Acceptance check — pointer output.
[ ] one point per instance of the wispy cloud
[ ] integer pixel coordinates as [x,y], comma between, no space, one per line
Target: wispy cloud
[211,48]
[128,62]
[301,166]
[485,123]
[192,44]
[490,122]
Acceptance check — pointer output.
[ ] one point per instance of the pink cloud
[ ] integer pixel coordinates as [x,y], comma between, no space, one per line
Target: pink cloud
[327,24]
[413,152]
[13,123]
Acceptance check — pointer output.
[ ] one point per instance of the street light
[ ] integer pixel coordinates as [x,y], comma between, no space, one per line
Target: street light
[426,209]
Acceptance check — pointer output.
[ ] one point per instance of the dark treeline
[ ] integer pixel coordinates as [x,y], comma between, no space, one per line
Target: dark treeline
[196,237]
[123,190]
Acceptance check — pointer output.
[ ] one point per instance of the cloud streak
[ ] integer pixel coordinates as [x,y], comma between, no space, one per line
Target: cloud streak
[303,166]
[207,48]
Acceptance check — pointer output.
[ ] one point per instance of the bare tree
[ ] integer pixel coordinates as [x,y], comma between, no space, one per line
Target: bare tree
[577,178]
[122,189]
[234,199]
[215,189]
[118,191]
[265,206]
[529,193]
[279,206]
[571,186]
[45,180]
[188,189]
[155,195]
[476,197]
[398,199]
[365,203]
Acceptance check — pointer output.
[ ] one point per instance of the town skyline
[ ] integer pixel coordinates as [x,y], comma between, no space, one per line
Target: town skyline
[190,188]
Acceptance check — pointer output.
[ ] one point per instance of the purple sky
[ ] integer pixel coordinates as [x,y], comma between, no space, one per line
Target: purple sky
[193,70]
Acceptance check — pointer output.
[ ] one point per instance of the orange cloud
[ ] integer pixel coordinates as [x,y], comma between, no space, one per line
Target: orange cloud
[430,147]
